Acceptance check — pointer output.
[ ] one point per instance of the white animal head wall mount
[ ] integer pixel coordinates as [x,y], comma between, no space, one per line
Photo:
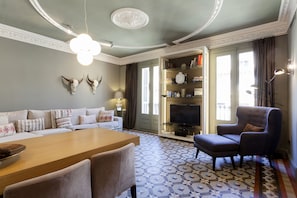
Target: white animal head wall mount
[94,83]
[72,83]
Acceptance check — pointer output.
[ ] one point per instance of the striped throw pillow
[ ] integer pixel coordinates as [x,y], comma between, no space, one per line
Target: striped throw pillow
[64,122]
[30,125]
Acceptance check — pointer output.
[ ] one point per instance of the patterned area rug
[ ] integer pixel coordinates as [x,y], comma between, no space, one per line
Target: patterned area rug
[168,168]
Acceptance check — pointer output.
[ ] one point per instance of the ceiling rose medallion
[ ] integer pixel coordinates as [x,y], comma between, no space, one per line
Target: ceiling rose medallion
[129,18]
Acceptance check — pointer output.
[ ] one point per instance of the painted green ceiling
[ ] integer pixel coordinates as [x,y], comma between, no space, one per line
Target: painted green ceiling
[169,19]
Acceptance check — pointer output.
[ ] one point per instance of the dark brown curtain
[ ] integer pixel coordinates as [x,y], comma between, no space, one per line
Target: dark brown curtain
[131,95]
[264,54]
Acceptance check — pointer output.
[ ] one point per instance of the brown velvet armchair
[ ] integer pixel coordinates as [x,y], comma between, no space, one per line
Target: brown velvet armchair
[254,142]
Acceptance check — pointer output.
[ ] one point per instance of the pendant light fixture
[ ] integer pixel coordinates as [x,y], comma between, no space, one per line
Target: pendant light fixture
[84,46]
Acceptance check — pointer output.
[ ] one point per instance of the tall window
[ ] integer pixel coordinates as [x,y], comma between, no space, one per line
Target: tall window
[156,86]
[145,91]
[223,77]
[246,78]
[234,77]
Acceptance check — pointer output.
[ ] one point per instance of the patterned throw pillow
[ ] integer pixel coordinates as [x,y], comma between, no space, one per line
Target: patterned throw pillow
[64,122]
[7,129]
[30,125]
[87,119]
[106,116]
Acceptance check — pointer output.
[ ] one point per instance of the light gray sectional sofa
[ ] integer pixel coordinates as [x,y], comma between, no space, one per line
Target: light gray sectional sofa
[16,125]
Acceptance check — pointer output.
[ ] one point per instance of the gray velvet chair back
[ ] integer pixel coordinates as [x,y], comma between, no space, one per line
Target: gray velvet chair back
[113,172]
[267,117]
[71,182]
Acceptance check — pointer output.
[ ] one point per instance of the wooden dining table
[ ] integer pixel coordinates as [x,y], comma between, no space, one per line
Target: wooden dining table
[50,153]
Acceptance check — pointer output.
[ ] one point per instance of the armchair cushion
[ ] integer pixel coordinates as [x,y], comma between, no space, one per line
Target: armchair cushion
[250,127]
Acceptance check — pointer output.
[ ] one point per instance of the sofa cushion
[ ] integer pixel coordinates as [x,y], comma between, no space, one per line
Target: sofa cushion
[59,113]
[18,136]
[30,125]
[51,131]
[87,119]
[75,115]
[3,119]
[13,116]
[95,111]
[46,114]
[106,116]
[84,126]
[7,129]
[107,125]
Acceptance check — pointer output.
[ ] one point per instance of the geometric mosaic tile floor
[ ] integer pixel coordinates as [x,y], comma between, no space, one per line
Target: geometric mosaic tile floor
[168,168]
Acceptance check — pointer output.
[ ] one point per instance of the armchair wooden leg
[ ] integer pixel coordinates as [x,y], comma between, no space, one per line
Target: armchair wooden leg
[232,160]
[197,152]
[133,191]
[213,163]
[241,160]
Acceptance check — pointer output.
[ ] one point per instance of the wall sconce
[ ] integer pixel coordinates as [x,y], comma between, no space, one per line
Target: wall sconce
[118,95]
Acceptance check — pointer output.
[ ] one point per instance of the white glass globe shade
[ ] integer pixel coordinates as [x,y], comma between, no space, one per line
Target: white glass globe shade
[74,45]
[81,43]
[84,38]
[95,48]
[84,58]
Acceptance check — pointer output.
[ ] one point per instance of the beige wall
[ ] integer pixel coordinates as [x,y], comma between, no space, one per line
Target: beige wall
[30,78]
[293,96]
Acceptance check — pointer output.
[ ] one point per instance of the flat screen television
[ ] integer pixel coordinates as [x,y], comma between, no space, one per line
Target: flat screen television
[185,114]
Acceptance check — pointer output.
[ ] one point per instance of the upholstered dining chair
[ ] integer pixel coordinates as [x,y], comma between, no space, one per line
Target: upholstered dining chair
[71,182]
[257,130]
[113,172]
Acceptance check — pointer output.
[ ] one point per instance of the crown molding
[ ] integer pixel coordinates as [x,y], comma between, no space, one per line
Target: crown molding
[239,36]
[17,34]
[277,28]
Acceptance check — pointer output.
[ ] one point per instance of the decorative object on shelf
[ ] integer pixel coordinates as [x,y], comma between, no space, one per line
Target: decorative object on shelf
[183,66]
[199,60]
[197,91]
[169,65]
[84,46]
[180,78]
[94,83]
[186,78]
[169,93]
[119,96]
[193,63]
[168,80]
[197,78]
[72,83]
[183,92]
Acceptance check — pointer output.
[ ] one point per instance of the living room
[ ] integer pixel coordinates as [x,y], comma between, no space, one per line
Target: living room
[32,66]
